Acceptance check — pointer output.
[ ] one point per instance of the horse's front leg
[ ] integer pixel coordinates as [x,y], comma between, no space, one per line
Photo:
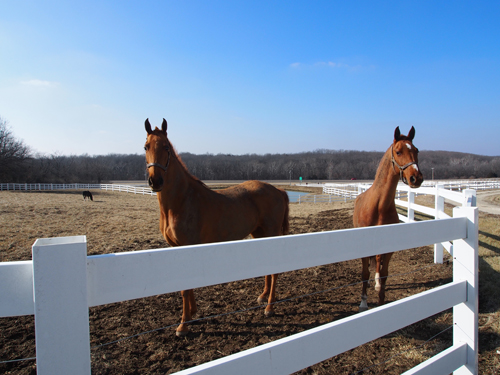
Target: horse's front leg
[272,295]
[384,272]
[188,309]
[378,260]
[365,276]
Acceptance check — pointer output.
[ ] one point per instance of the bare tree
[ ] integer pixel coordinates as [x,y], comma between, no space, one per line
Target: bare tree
[13,153]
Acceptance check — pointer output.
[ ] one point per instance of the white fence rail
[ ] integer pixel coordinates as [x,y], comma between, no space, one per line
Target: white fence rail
[322,198]
[465,184]
[61,282]
[107,187]
[352,190]
[457,192]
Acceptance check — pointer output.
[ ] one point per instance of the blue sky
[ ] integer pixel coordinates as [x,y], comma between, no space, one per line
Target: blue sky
[80,77]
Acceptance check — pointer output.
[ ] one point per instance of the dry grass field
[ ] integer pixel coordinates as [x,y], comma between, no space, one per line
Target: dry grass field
[116,222]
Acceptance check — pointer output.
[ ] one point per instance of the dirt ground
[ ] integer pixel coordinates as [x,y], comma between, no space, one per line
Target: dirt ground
[116,222]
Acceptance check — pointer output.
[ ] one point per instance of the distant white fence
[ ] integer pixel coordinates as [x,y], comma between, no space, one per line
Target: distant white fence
[323,198]
[465,184]
[76,186]
[61,282]
[353,189]
[343,190]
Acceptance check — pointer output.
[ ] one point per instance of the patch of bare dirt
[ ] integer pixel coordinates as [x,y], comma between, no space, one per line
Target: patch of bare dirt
[117,222]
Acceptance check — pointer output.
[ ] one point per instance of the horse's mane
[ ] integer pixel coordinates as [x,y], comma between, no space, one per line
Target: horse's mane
[176,155]
[382,168]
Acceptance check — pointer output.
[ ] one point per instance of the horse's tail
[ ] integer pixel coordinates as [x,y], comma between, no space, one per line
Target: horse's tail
[285,227]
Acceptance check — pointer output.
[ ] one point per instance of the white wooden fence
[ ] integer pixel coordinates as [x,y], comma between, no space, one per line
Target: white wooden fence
[323,198]
[353,189]
[61,282]
[77,186]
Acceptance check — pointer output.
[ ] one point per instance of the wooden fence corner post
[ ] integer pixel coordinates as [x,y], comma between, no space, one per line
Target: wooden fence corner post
[469,198]
[439,214]
[466,267]
[61,307]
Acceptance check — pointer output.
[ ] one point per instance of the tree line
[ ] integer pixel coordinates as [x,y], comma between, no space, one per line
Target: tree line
[19,164]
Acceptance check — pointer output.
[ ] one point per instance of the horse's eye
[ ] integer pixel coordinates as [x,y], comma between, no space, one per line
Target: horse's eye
[145,148]
[398,153]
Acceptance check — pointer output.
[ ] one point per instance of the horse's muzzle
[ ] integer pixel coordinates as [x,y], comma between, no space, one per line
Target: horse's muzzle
[415,180]
[156,184]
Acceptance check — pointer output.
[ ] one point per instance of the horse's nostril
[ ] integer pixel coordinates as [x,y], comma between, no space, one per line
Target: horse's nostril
[413,179]
[150,181]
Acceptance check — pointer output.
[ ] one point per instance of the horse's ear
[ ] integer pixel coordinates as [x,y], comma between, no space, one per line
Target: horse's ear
[397,135]
[411,134]
[147,125]
[164,126]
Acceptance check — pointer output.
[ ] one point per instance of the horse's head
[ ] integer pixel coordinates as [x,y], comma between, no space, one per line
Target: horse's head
[405,158]
[158,151]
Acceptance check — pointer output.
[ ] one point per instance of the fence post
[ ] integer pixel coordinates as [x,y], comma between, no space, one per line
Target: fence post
[411,202]
[469,198]
[465,267]
[439,206]
[61,307]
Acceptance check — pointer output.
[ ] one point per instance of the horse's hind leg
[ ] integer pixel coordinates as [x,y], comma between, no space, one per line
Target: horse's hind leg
[272,296]
[269,294]
[365,276]
[270,280]
[192,304]
[267,287]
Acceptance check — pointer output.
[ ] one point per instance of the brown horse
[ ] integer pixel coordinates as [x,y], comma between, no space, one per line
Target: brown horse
[191,213]
[376,206]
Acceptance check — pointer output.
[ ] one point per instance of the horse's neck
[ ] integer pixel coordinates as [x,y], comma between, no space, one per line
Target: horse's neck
[180,186]
[386,179]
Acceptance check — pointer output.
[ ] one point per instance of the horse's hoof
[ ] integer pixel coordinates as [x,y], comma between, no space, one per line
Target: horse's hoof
[261,300]
[181,333]
[363,308]
[377,288]
[268,314]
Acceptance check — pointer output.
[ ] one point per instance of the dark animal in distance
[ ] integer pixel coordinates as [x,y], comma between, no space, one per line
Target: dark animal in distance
[87,194]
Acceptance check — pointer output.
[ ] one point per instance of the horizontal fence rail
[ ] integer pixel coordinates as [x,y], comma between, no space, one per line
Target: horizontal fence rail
[106,187]
[332,192]
[61,282]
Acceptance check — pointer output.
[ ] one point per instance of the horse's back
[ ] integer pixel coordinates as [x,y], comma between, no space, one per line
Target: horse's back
[261,203]
[255,191]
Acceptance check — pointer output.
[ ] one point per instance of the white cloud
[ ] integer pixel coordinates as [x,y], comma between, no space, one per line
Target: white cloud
[331,65]
[39,83]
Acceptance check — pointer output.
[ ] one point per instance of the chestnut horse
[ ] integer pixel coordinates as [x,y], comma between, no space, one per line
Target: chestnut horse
[376,206]
[191,213]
